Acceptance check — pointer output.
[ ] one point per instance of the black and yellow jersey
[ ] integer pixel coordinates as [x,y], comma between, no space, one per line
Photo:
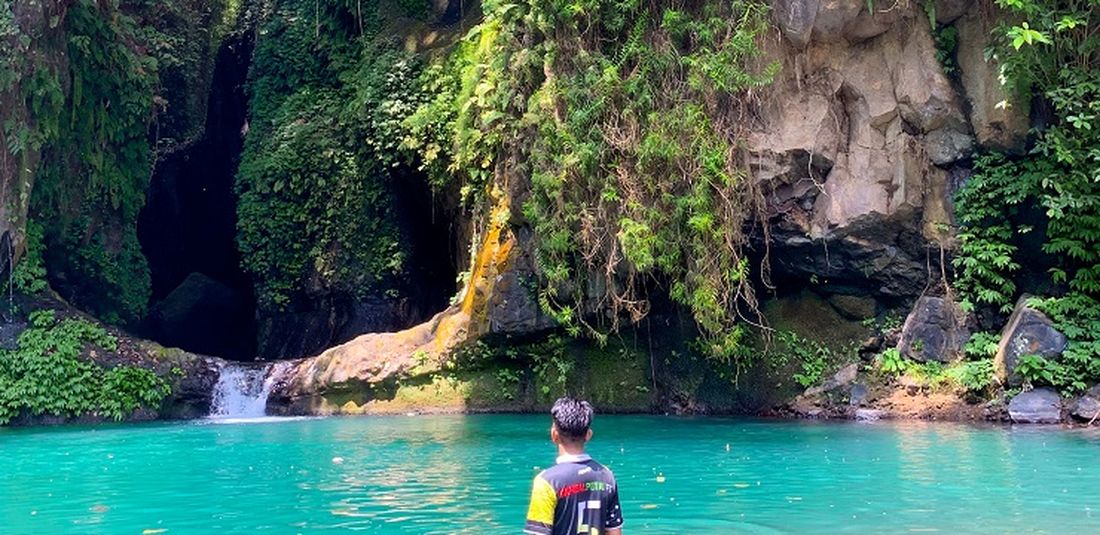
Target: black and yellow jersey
[577,496]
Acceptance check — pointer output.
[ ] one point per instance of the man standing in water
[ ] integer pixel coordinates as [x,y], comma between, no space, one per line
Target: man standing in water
[577,496]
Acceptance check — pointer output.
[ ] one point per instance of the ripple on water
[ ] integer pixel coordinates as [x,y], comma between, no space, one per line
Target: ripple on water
[454,474]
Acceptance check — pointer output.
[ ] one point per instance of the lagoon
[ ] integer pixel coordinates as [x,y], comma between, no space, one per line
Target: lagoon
[471,474]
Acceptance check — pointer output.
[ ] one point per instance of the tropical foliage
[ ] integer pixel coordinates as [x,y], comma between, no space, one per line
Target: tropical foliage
[1048,49]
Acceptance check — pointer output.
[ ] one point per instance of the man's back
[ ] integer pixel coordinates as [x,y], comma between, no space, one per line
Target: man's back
[577,496]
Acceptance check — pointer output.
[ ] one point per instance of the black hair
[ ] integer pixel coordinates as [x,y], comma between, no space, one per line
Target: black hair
[572,417]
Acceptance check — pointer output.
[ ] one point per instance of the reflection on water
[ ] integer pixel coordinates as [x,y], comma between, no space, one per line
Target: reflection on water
[454,474]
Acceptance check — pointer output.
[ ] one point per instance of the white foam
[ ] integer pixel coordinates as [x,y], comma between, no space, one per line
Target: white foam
[241,392]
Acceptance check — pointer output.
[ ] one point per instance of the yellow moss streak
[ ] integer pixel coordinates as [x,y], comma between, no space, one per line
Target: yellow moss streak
[421,349]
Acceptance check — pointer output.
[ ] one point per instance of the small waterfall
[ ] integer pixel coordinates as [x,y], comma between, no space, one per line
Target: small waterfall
[241,392]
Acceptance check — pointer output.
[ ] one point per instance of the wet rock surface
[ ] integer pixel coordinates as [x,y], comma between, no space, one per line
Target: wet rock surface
[1087,407]
[1038,406]
[1028,332]
[935,330]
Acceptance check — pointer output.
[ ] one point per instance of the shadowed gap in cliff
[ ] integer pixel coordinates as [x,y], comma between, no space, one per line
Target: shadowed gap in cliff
[432,231]
[202,300]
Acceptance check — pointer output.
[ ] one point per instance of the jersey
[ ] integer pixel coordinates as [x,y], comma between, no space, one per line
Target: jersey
[577,496]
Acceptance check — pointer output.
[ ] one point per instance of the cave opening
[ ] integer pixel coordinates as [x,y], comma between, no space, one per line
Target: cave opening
[202,300]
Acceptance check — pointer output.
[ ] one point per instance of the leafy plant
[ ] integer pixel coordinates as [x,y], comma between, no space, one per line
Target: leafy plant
[892,362]
[29,275]
[552,366]
[811,357]
[1049,50]
[974,376]
[320,161]
[47,375]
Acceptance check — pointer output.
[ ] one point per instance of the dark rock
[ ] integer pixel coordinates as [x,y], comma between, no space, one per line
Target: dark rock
[1028,332]
[854,307]
[329,322]
[514,308]
[934,331]
[1087,407]
[1038,406]
[796,20]
[870,348]
[868,415]
[947,145]
[9,334]
[204,316]
[846,376]
[858,394]
[194,390]
[949,10]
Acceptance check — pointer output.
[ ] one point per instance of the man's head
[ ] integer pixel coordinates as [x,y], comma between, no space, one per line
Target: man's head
[572,422]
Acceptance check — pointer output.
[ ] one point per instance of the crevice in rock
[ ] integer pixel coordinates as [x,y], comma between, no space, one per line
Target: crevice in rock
[202,301]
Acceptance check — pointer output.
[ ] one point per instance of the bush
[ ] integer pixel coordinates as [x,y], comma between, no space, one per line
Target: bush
[46,375]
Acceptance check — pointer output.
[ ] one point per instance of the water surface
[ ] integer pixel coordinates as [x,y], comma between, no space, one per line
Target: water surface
[471,474]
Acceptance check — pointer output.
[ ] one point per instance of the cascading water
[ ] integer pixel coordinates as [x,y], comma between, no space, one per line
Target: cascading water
[241,392]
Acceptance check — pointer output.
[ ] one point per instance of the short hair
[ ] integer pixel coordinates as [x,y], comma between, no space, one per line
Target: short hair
[572,417]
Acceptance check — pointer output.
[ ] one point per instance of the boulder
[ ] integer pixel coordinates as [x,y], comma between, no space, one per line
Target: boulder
[204,316]
[934,331]
[1038,406]
[1028,332]
[795,19]
[858,394]
[846,376]
[1087,407]
[854,307]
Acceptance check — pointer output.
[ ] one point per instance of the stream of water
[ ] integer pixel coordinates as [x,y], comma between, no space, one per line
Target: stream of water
[471,474]
[241,392]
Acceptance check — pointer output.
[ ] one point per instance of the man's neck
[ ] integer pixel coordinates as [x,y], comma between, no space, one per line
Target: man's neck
[570,449]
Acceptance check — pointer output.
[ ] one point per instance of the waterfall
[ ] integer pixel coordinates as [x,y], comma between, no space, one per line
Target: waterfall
[241,392]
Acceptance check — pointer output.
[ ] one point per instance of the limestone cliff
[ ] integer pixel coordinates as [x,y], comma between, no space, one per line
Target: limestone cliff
[858,145]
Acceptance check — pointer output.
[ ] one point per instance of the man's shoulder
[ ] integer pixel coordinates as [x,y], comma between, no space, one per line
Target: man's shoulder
[602,469]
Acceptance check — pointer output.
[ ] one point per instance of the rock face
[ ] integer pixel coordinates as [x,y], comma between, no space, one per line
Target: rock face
[342,379]
[1087,407]
[999,117]
[1028,332]
[934,331]
[334,321]
[1039,406]
[850,144]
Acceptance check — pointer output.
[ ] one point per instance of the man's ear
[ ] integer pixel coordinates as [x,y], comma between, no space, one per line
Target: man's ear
[588,436]
[554,434]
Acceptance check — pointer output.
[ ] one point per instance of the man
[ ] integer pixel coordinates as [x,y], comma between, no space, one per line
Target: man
[577,496]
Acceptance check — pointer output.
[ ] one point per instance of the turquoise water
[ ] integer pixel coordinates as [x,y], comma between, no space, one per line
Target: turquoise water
[471,474]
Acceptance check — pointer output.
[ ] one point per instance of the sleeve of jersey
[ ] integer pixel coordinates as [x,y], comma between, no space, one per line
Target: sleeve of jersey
[613,512]
[540,515]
